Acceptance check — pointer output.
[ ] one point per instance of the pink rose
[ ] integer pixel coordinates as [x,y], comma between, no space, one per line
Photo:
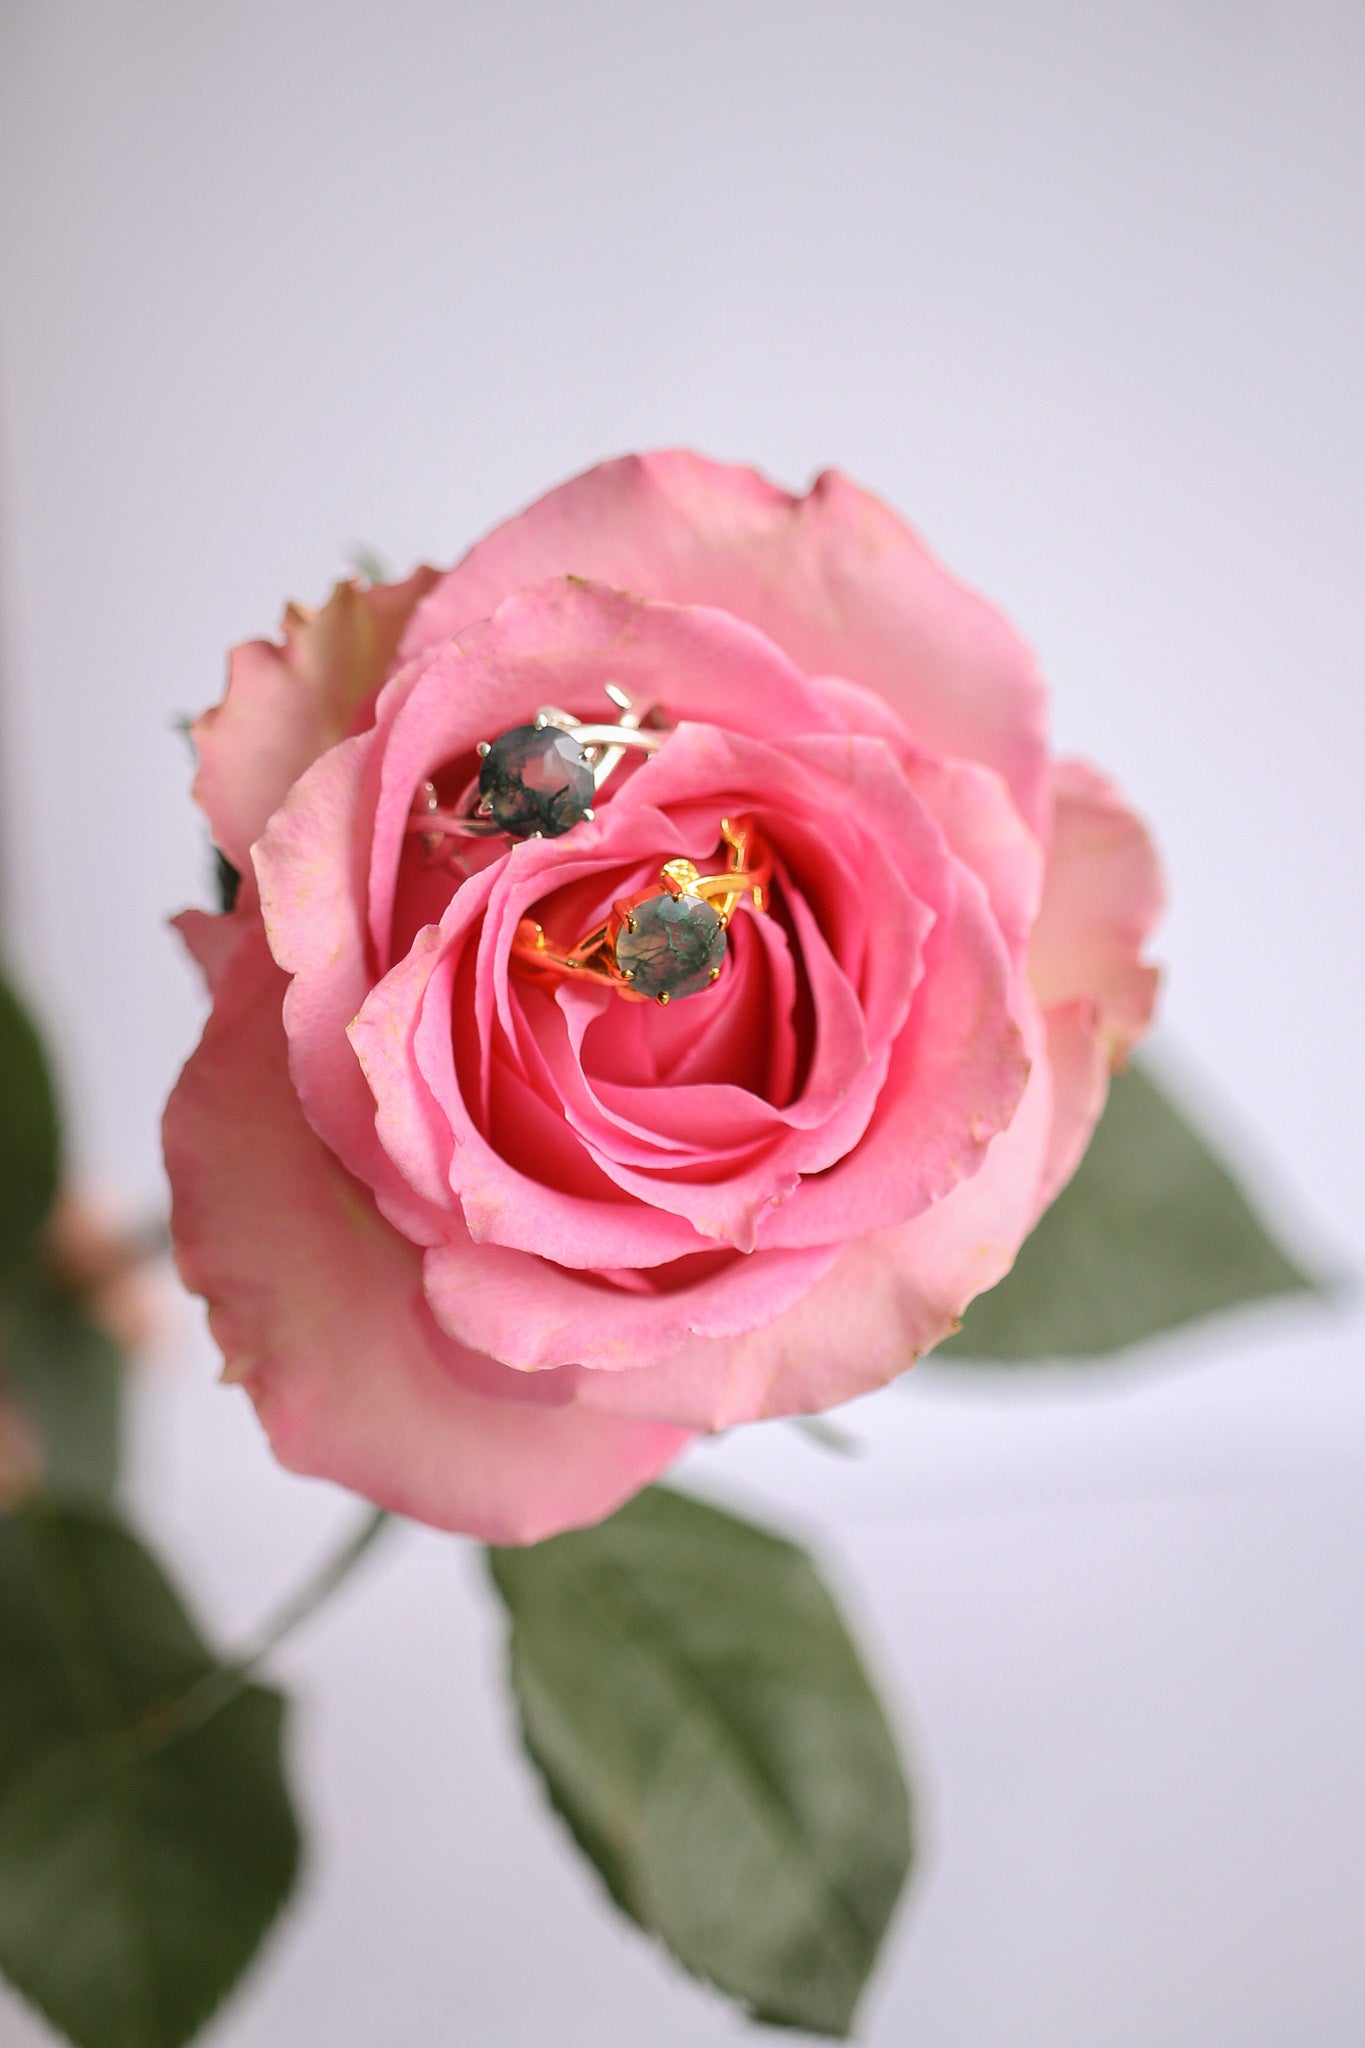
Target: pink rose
[491,1248]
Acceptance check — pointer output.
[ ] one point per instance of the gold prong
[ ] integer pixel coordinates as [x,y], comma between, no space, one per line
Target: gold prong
[679,877]
[715,974]
[663,999]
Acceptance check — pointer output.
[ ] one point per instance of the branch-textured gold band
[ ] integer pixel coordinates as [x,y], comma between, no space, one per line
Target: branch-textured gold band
[664,942]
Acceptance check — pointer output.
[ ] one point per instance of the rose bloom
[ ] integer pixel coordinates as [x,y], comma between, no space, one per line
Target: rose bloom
[491,1248]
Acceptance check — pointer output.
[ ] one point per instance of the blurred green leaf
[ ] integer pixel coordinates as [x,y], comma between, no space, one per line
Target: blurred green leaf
[66,1375]
[369,563]
[1152,1232]
[28,1133]
[227,881]
[705,1727]
[135,1884]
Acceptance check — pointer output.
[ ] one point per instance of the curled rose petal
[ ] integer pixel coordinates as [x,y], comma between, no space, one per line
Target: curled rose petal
[288,702]
[1102,896]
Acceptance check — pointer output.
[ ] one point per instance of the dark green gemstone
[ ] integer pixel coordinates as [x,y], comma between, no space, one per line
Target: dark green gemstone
[673,946]
[536,778]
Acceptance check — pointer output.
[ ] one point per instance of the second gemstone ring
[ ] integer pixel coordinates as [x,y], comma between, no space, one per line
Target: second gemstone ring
[536,781]
[663,942]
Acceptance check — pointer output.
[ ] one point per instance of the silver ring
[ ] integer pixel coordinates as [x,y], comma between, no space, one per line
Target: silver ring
[536,781]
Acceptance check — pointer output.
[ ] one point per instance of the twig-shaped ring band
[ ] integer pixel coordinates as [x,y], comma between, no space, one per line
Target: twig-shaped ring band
[664,942]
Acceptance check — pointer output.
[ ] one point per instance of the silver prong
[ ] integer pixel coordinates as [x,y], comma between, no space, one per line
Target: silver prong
[482,748]
[589,815]
[617,695]
[484,808]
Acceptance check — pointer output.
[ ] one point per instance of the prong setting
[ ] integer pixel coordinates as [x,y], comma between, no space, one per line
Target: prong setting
[539,779]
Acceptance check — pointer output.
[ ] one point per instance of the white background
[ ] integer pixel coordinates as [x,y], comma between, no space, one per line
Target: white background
[1080,288]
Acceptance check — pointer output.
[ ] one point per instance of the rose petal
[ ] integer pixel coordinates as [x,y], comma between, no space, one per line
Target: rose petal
[1079,1062]
[834,578]
[318,1307]
[288,701]
[534,1315]
[956,1076]
[1101,897]
[211,940]
[971,804]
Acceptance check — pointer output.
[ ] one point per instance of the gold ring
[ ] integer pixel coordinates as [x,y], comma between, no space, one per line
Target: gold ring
[663,943]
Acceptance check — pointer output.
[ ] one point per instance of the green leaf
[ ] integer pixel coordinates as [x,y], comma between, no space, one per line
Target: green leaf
[704,1725]
[1152,1232]
[28,1133]
[227,881]
[66,1375]
[135,1884]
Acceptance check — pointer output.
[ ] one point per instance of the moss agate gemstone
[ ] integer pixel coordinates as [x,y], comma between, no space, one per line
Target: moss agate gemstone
[675,949]
[536,778]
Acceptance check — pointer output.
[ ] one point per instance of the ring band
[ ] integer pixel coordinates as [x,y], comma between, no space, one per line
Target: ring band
[535,781]
[661,944]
